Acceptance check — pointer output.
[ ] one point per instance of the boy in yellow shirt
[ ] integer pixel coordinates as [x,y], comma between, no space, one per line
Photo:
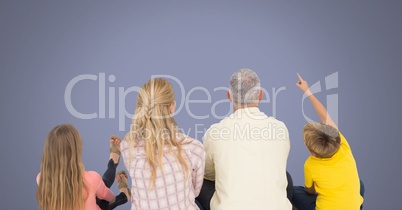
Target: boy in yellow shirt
[330,173]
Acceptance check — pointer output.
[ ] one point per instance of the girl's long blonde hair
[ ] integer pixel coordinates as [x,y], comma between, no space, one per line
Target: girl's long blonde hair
[61,183]
[153,122]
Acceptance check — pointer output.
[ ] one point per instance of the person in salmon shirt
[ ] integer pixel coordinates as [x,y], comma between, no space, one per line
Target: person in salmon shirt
[63,183]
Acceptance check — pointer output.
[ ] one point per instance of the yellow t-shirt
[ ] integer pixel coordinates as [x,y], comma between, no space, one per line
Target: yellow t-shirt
[335,179]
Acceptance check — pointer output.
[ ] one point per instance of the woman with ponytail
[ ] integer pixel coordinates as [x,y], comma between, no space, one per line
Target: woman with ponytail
[166,167]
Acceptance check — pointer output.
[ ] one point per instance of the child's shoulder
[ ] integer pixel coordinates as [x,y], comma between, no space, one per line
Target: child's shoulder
[344,142]
[92,178]
[92,175]
[310,160]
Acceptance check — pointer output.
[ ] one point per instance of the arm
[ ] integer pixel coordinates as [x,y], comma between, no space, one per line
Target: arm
[319,108]
[311,190]
[209,162]
[125,152]
[308,180]
[103,192]
[198,170]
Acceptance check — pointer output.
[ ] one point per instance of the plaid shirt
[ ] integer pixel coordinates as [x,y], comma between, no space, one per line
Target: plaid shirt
[171,190]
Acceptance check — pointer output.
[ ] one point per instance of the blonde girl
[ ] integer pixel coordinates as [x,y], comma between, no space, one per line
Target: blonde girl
[63,183]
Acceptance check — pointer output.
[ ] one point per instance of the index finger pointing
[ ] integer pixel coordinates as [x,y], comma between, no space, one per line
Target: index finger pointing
[300,78]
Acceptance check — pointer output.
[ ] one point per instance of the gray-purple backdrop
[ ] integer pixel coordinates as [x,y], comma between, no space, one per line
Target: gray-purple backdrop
[115,45]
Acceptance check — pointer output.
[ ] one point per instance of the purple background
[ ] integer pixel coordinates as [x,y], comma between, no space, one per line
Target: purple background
[45,44]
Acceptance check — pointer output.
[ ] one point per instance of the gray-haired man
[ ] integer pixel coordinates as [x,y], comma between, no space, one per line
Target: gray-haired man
[246,153]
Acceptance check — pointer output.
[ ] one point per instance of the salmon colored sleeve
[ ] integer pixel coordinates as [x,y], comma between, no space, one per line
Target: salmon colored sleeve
[102,192]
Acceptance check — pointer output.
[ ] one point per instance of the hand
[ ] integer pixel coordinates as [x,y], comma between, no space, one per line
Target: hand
[116,142]
[121,177]
[302,84]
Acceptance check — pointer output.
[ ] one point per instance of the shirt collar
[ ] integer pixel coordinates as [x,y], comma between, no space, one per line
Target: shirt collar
[248,111]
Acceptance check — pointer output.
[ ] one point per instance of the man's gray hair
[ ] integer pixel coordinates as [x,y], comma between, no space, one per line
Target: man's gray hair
[244,87]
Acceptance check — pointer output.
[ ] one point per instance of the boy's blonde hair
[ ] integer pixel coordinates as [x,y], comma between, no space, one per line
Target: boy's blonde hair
[320,139]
